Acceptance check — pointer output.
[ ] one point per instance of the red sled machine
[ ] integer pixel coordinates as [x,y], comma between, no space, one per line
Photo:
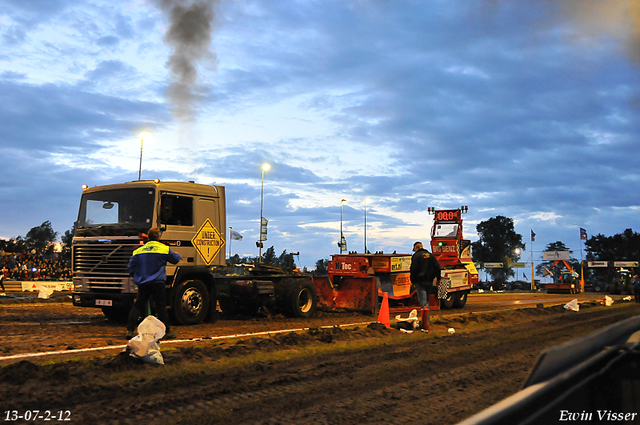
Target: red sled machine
[358,281]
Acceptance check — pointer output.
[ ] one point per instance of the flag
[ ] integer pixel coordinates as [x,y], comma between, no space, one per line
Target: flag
[583,233]
[524,276]
[235,235]
[533,236]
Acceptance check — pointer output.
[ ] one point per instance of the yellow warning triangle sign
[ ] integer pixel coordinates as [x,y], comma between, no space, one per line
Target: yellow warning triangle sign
[208,242]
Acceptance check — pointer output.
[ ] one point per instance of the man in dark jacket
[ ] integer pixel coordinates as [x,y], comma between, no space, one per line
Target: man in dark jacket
[425,272]
[148,266]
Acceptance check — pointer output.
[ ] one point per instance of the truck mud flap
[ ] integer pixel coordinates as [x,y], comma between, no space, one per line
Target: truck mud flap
[350,293]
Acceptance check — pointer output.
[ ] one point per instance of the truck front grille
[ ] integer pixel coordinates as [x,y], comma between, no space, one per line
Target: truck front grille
[102,259]
[106,285]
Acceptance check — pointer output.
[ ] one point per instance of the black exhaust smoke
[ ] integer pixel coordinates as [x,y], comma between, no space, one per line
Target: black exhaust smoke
[189,35]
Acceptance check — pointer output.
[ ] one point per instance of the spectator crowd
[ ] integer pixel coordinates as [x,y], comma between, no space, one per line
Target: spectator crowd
[26,266]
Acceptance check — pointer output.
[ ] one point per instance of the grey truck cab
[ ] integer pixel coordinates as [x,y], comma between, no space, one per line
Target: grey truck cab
[111,220]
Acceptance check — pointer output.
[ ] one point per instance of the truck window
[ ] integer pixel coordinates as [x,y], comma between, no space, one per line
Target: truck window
[445,230]
[176,210]
[101,212]
[122,209]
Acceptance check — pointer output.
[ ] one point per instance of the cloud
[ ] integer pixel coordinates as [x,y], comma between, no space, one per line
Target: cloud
[507,107]
[60,117]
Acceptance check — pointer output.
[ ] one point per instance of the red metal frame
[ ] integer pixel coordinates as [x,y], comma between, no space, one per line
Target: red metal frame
[563,287]
[357,282]
[452,251]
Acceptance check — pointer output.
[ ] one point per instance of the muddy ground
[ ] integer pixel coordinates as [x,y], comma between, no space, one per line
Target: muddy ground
[351,375]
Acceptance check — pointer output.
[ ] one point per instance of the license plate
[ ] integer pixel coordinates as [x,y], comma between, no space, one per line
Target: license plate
[107,303]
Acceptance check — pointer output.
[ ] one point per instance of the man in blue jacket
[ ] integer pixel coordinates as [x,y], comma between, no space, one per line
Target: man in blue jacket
[148,266]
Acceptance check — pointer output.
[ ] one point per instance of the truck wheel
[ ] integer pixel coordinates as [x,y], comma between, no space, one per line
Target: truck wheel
[301,299]
[115,314]
[447,302]
[460,299]
[191,302]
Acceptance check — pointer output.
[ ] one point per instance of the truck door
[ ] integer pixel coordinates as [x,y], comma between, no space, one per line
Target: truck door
[178,226]
[207,208]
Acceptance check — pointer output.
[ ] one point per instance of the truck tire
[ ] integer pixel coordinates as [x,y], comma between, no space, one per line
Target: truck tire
[300,298]
[115,314]
[190,302]
[448,301]
[460,299]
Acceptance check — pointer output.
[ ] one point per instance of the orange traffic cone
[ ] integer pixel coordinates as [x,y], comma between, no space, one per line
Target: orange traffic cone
[383,315]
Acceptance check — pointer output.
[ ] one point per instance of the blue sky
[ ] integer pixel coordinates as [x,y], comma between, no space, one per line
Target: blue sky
[527,109]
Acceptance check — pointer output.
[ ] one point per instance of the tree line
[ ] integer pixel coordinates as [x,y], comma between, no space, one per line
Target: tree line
[39,238]
[499,242]
[284,260]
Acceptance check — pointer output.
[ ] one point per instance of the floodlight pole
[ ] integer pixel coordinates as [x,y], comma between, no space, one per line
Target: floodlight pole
[341,235]
[140,167]
[365,226]
[260,227]
[265,167]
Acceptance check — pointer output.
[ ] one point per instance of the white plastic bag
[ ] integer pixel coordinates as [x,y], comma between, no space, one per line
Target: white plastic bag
[145,345]
[45,292]
[408,324]
[607,300]
[572,305]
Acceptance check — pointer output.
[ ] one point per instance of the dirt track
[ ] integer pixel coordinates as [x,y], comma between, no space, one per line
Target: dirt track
[336,376]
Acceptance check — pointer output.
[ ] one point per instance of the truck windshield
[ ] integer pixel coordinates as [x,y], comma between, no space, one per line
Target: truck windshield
[445,230]
[120,211]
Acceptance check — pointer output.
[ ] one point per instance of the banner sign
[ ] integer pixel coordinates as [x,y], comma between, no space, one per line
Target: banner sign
[556,255]
[53,286]
[625,264]
[598,264]
[519,265]
[493,265]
